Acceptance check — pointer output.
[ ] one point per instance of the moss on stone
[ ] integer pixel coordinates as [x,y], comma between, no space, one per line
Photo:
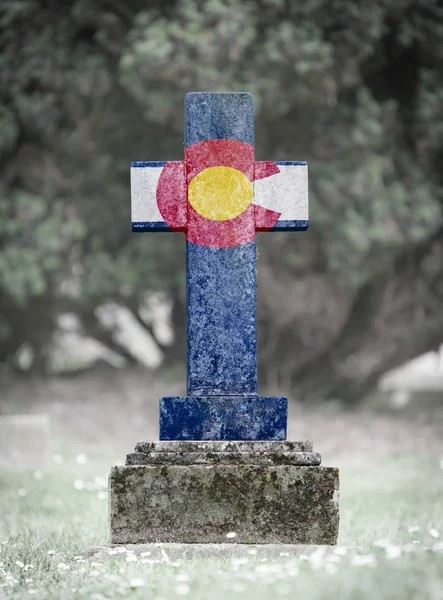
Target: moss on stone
[202,503]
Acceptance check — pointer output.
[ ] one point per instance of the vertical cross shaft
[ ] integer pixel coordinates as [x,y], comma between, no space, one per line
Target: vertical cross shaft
[221,282]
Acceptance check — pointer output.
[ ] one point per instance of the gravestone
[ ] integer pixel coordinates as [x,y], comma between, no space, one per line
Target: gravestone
[222,470]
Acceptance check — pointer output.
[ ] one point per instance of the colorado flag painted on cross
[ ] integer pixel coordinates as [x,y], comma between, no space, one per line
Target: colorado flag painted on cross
[219,196]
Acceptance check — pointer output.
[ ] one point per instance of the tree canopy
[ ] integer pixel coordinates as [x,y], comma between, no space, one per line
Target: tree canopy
[356,89]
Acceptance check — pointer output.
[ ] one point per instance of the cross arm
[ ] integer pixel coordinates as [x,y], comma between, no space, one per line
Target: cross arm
[153,185]
[285,192]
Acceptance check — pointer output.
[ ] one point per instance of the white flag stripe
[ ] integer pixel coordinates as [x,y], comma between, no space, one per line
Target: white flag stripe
[144,182]
[285,192]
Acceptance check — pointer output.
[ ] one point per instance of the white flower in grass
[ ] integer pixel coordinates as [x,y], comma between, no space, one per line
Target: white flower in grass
[238,562]
[22,492]
[63,566]
[413,528]
[79,484]
[10,579]
[284,553]
[100,481]
[136,583]
[50,552]
[392,552]
[364,560]
[145,554]
[292,568]
[182,589]
[333,558]
[19,564]
[252,551]
[268,568]
[113,551]
[316,558]
[331,568]
[81,459]
[131,558]
[249,576]
[434,533]
[231,535]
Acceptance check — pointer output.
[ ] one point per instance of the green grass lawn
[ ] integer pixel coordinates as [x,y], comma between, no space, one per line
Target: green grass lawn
[390,545]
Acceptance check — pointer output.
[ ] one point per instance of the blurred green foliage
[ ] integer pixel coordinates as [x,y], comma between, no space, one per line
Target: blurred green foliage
[354,88]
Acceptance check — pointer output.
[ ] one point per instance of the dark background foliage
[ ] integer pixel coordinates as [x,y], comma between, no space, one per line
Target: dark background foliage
[355,88]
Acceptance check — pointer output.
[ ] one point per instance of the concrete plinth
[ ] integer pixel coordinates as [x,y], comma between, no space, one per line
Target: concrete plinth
[264,492]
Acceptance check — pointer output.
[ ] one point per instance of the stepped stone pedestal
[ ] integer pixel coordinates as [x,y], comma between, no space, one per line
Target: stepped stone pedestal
[199,491]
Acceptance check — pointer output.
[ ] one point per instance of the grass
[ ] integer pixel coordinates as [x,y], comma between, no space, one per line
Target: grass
[391,531]
[389,546]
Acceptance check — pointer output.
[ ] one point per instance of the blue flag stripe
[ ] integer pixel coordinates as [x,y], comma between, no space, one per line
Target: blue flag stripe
[219,115]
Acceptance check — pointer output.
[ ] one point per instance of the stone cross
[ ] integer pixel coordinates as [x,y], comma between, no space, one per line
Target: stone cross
[220,197]
[222,470]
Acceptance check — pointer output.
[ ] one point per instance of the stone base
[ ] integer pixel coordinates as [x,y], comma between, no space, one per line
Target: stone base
[261,491]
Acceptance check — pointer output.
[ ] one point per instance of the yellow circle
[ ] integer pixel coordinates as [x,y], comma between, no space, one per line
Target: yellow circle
[220,193]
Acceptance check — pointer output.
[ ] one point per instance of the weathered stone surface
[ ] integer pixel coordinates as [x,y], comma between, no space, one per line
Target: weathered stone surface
[239,458]
[199,503]
[224,446]
[233,417]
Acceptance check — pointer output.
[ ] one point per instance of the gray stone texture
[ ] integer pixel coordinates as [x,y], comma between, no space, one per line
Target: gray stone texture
[203,503]
[210,458]
[224,446]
